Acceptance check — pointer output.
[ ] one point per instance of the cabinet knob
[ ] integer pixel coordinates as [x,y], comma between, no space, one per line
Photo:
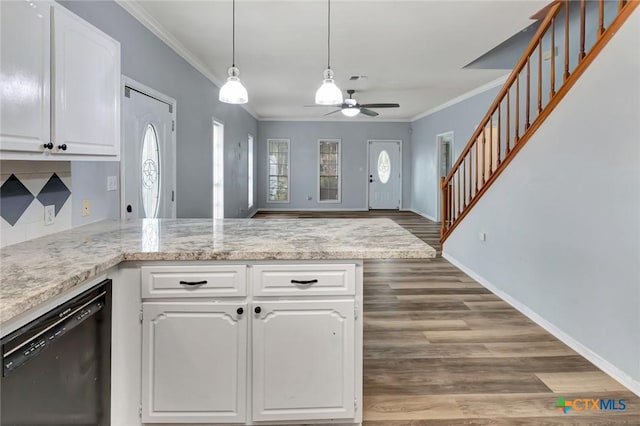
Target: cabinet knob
[63,147]
[240,311]
[257,309]
[48,145]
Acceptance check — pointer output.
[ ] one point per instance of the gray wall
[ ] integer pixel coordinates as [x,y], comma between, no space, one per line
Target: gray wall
[304,137]
[89,182]
[147,59]
[461,118]
[562,221]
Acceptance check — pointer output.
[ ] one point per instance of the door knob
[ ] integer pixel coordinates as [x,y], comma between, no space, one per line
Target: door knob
[129,209]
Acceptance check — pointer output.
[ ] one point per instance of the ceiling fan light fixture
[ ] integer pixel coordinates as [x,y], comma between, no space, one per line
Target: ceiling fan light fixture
[350,111]
[328,93]
[233,92]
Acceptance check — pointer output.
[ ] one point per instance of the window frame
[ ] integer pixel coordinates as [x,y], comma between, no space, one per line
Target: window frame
[339,170]
[250,171]
[288,141]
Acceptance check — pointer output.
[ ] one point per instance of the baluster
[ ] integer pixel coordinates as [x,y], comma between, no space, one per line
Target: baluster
[527,123]
[484,151]
[600,17]
[443,208]
[464,182]
[583,8]
[499,132]
[566,40]
[540,76]
[458,191]
[517,120]
[508,133]
[490,146]
[470,172]
[476,178]
[620,4]
[553,58]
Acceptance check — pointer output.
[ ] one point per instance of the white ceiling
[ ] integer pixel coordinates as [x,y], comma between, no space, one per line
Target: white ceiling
[412,51]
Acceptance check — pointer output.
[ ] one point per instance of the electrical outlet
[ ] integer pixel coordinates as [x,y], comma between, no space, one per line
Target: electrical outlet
[112,183]
[86,208]
[482,236]
[49,214]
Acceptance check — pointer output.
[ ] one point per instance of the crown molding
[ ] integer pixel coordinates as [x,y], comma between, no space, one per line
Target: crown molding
[324,120]
[140,14]
[480,89]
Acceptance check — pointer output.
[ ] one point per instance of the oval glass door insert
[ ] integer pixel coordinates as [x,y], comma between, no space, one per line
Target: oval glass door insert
[384,166]
[150,172]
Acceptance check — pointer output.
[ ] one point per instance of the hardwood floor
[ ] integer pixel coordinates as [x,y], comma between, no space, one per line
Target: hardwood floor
[440,349]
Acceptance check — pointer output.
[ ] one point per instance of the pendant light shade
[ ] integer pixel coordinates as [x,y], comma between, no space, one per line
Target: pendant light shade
[233,92]
[328,93]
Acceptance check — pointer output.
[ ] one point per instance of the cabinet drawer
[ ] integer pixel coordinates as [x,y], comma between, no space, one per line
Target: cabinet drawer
[303,280]
[194,281]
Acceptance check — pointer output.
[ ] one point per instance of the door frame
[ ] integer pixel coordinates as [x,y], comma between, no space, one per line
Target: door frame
[216,121]
[369,142]
[439,138]
[152,93]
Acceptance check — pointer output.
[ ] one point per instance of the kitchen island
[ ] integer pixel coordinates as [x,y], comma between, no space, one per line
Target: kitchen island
[232,321]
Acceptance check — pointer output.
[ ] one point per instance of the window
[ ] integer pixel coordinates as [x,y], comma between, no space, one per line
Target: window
[384,166]
[329,170]
[218,170]
[150,175]
[250,170]
[278,191]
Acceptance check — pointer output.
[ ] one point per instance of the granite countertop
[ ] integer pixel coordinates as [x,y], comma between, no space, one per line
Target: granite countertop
[35,271]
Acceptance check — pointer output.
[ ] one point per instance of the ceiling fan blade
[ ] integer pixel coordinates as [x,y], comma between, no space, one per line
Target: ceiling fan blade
[368,112]
[332,112]
[380,105]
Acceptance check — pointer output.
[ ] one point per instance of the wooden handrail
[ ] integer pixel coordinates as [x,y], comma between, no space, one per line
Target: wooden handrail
[486,142]
[512,77]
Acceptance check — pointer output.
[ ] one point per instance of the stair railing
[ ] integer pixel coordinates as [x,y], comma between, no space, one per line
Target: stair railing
[530,93]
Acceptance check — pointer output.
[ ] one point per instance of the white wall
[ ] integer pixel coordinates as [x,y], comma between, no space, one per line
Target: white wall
[304,137]
[563,220]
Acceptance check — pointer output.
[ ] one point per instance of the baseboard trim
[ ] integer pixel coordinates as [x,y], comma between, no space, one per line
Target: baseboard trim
[610,369]
[309,210]
[419,213]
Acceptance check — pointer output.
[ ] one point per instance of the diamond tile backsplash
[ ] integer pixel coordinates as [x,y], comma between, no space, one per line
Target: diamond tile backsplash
[26,188]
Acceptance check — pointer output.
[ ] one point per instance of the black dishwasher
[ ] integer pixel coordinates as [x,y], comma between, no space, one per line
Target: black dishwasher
[56,370]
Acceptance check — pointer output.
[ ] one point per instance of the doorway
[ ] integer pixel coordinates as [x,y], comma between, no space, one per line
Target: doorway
[218,169]
[148,153]
[444,147]
[385,174]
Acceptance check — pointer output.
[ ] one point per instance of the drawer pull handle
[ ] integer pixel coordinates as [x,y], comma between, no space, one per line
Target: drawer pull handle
[308,282]
[193,282]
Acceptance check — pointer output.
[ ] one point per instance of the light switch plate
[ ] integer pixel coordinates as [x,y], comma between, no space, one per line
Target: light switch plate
[112,183]
[86,208]
[49,214]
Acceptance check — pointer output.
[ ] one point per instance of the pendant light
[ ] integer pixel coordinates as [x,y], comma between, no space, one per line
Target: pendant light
[328,93]
[233,92]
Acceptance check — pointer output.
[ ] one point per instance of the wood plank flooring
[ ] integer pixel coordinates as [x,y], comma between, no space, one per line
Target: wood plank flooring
[440,349]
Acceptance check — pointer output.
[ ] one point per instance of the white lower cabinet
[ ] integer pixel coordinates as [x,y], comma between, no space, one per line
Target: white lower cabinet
[303,360]
[214,350]
[194,362]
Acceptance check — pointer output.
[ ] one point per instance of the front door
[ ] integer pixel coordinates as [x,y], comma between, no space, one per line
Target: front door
[148,157]
[385,174]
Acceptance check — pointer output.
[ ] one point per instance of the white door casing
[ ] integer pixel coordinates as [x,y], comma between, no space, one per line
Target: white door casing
[444,157]
[303,360]
[385,174]
[143,107]
[194,357]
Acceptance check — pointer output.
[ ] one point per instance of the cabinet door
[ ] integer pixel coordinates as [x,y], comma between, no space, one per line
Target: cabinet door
[194,358]
[24,73]
[303,360]
[86,80]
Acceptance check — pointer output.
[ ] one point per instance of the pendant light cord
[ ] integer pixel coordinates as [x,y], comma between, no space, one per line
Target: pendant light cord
[328,36]
[233,36]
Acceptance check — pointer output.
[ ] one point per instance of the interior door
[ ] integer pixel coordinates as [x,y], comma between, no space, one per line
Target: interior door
[384,174]
[149,157]
[303,360]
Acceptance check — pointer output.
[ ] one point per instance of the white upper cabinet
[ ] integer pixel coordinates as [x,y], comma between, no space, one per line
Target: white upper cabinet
[24,65]
[60,85]
[86,87]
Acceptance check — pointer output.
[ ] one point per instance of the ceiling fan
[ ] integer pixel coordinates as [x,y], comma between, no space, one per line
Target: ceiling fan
[350,107]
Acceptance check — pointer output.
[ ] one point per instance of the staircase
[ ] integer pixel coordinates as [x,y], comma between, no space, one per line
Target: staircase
[578,31]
